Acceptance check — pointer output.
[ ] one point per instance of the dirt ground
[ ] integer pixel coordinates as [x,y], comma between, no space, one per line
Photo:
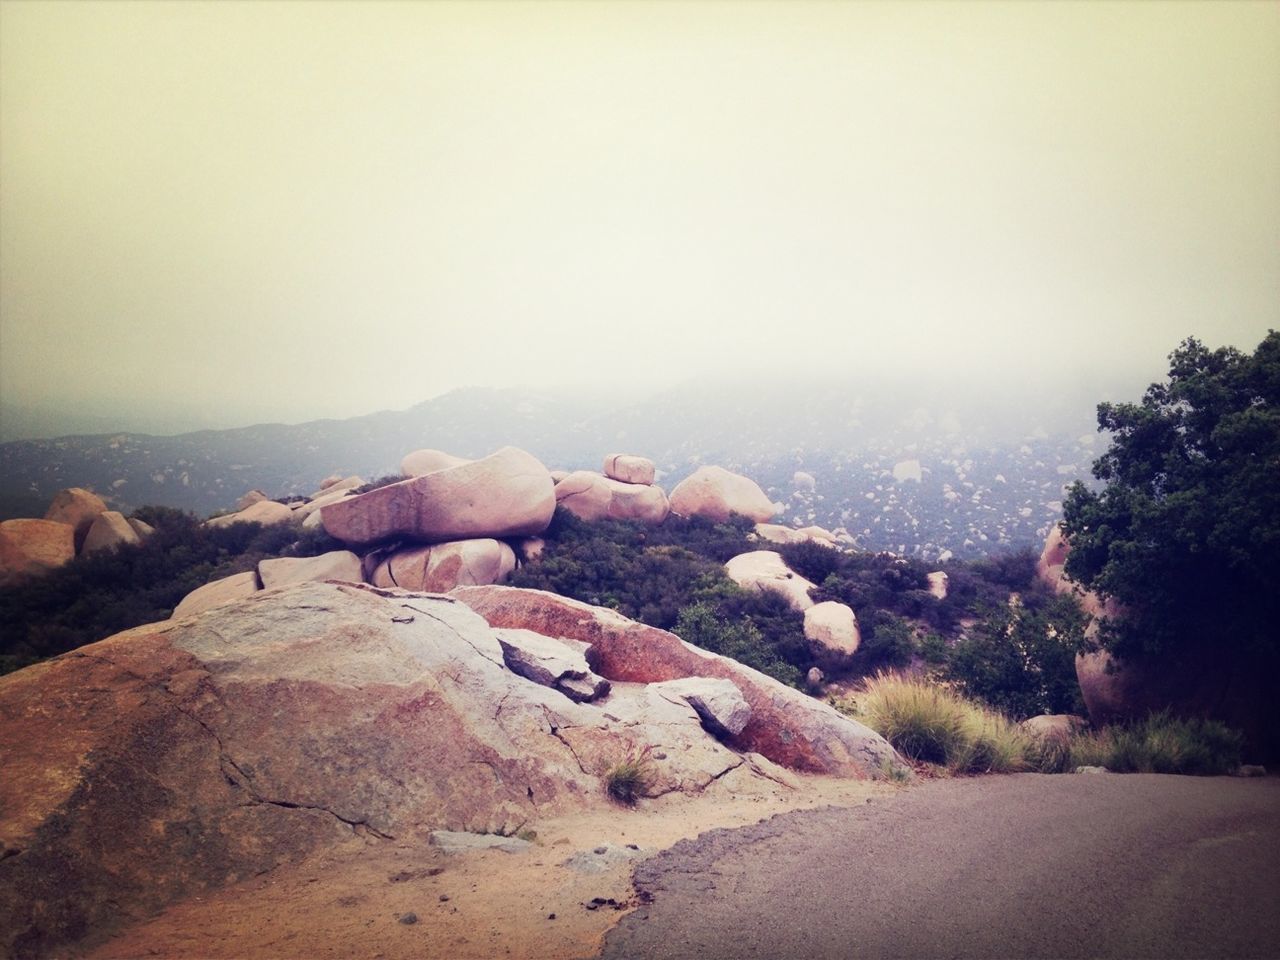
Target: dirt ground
[354,900]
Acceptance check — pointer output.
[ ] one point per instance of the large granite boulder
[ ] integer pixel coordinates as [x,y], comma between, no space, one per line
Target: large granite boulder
[421,462]
[334,565]
[181,756]
[109,530]
[629,469]
[31,548]
[215,593]
[777,533]
[266,512]
[78,507]
[715,493]
[250,498]
[438,568]
[507,494]
[786,726]
[593,496]
[765,570]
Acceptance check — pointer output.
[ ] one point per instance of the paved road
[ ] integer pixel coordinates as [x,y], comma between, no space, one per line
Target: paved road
[1019,866]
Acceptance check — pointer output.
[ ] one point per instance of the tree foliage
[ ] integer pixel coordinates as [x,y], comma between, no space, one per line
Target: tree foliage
[1185,530]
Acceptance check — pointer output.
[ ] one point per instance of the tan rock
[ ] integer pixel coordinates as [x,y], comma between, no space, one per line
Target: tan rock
[438,568]
[250,498]
[330,480]
[832,631]
[78,507]
[558,664]
[592,496]
[718,702]
[938,583]
[335,486]
[786,726]
[529,549]
[31,548]
[802,480]
[109,530]
[766,570]
[507,494]
[141,528]
[628,468]
[715,493]
[340,491]
[777,533]
[265,512]
[1056,725]
[270,730]
[421,462]
[217,592]
[335,565]
[558,475]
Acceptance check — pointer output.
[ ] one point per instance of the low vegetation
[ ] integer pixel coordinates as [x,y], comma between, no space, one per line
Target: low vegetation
[931,723]
[626,781]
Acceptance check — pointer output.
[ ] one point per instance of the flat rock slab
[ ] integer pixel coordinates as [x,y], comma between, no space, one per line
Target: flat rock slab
[603,857]
[457,841]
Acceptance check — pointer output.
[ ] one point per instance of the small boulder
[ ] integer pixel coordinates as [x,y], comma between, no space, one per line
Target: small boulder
[832,631]
[938,583]
[78,507]
[629,469]
[766,570]
[777,533]
[1053,725]
[715,493]
[507,494]
[215,594]
[330,480]
[421,462]
[802,480]
[908,470]
[558,664]
[110,529]
[31,548]
[335,565]
[719,703]
[250,498]
[141,528]
[265,512]
[529,549]
[440,567]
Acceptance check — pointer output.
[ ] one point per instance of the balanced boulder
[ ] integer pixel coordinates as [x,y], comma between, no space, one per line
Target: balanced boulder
[628,468]
[507,494]
[763,570]
[438,568]
[715,493]
[31,548]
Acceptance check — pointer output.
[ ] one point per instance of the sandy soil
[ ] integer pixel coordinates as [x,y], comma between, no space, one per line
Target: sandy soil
[350,901]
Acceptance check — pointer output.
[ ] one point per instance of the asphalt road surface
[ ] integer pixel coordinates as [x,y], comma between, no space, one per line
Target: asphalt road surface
[1074,865]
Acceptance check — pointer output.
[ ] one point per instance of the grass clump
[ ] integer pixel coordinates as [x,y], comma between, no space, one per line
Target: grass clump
[1162,743]
[628,779]
[931,723]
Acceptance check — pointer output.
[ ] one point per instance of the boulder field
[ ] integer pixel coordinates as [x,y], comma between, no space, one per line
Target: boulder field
[178,757]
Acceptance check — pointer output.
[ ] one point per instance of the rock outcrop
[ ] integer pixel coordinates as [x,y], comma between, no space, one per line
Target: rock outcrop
[177,757]
[786,726]
[78,507]
[766,570]
[109,530]
[31,548]
[335,565]
[593,496]
[629,469]
[507,494]
[265,512]
[238,586]
[832,631]
[716,493]
[438,568]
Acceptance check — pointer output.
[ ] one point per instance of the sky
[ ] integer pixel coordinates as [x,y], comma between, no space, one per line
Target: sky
[221,213]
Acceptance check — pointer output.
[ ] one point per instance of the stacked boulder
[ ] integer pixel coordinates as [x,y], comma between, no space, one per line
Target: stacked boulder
[76,523]
[715,493]
[624,491]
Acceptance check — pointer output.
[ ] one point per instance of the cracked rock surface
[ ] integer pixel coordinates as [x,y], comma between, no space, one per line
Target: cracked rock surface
[181,756]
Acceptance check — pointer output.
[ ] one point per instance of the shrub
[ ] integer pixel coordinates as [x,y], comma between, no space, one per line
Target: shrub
[1162,743]
[702,625]
[628,779]
[928,722]
[811,560]
[384,481]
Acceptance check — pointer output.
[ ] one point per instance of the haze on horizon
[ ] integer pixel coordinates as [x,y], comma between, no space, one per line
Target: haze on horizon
[213,214]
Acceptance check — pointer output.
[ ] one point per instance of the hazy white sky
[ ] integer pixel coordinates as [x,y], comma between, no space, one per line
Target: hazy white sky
[291,210]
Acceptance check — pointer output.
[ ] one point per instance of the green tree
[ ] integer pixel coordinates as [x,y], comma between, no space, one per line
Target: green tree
[1185,530]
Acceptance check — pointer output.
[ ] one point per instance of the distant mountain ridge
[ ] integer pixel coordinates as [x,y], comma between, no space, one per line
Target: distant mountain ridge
[989,476]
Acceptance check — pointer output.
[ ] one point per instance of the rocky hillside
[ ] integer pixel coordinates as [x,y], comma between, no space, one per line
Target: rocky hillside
[908,471]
